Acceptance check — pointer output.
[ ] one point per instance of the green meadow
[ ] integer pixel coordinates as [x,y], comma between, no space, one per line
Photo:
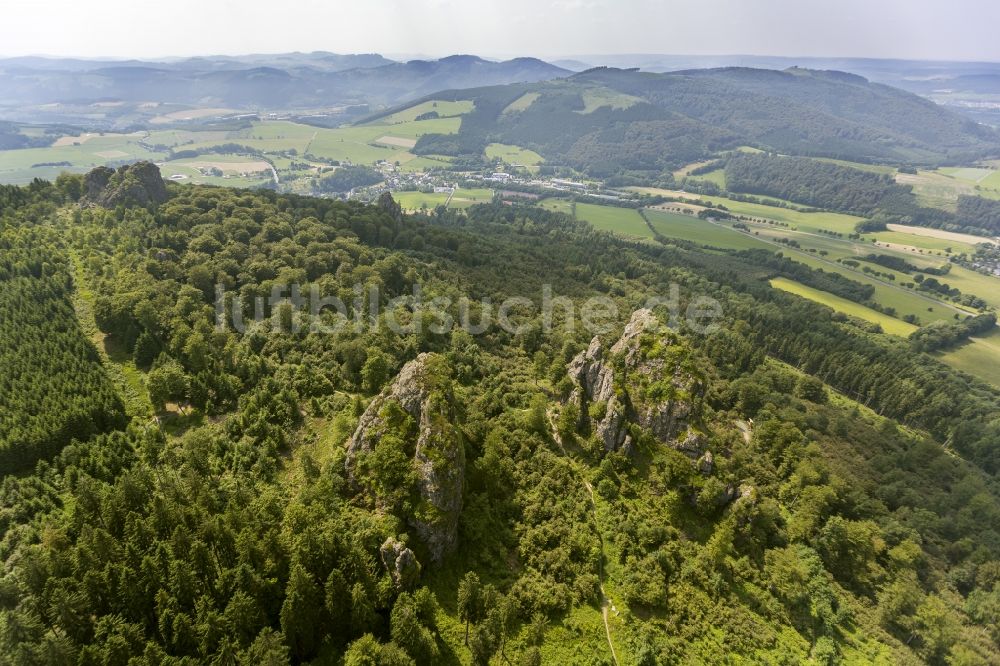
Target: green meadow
[597,98]
[889,324]
[513,155]
[444,109]
[980,357]
[929,244]
[391,139]
[818,221]
[521,103]
[702,232]
[623,221]
[73,154]
[412,201]
[558,205]
[462,198]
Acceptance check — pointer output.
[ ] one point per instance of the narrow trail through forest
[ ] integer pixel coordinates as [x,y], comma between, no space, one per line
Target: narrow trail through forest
[119,366]
[605,600]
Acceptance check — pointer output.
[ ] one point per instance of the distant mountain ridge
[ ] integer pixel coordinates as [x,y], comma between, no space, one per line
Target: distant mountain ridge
[279,82]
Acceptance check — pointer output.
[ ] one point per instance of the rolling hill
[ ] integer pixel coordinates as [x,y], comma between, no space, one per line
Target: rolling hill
[609,120]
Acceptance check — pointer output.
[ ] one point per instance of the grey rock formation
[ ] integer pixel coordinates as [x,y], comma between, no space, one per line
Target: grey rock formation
[617,378]
[706,464]
[401,563]
[138,184]
[94,182]
[438,450]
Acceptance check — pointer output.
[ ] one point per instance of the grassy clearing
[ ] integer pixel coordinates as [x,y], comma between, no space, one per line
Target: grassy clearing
[838,222]
[951,236]
[176,138]
[558,205]
[974,174]
[414,163]
[463,198]
[702,232]
[819,221]
[986,287]
[980,358]
[718,177]
[514,155]
[929,244]
[889,324]
[941,189]
[872,168]
[121,369]
[521,103]
[444,109]
[597,98]
[623,221]
[991,181]
[683,172]
[411,201]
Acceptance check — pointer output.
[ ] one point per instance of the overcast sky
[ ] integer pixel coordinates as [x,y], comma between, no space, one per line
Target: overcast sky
[928,29]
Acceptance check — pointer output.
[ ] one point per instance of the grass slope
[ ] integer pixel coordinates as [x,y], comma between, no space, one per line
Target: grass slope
[889,324]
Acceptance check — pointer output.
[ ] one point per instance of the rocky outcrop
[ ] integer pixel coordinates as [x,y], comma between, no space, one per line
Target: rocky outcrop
[401,564]
[645,378]
[431,441]
[95,181]
[138,184]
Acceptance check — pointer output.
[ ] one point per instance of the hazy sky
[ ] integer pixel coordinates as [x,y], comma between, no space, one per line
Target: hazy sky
[931,29]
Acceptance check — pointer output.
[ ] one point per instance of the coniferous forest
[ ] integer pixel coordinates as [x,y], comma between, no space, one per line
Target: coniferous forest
[181,488]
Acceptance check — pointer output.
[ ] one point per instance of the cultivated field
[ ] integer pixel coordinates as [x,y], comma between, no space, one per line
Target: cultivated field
[622,221]
[941,234]
[79,155]
[702,232]
[296,150]
[462,198]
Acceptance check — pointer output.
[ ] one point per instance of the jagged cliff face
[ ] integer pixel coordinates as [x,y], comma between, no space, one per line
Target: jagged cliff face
[138,184]
[408,457]
[645,378]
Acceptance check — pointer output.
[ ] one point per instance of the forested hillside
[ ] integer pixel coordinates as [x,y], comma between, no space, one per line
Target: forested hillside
[789,487]
[52,388]
[607,121]
[812,182]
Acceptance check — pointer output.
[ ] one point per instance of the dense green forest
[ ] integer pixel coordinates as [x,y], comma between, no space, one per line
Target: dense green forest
[344,179]
[52,388]
[945,335]
[835,283]
[983,214]
[811,182]
[787,488]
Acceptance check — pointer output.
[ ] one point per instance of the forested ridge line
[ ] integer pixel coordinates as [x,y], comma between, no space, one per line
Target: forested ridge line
[830,533]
